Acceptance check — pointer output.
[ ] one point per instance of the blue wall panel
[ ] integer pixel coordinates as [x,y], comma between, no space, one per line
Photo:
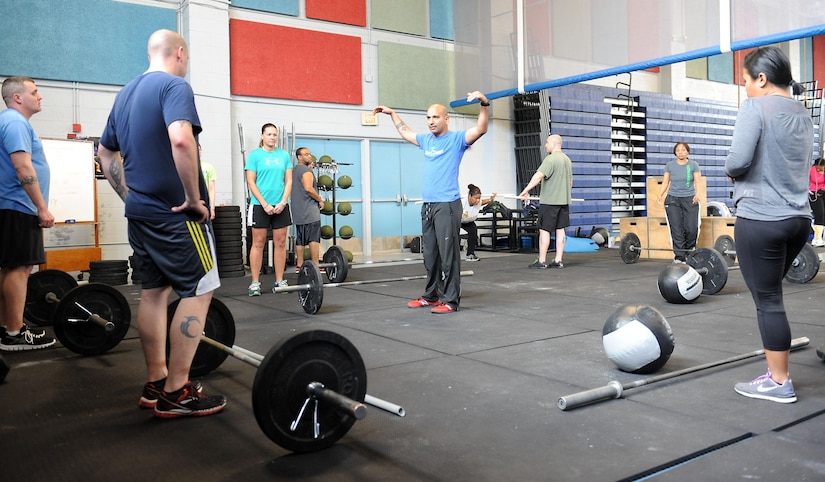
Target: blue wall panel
[286,7]
[68,41]
[441,19]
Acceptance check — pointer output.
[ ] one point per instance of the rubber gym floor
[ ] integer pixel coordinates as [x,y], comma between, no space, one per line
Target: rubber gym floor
[479,386]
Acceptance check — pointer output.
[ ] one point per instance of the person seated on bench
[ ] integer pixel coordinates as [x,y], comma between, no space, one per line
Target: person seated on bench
[470,206]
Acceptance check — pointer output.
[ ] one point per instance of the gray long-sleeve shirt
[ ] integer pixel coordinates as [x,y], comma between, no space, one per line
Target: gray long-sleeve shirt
[769,159]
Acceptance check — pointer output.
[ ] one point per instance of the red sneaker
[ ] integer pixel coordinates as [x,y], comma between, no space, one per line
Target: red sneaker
[422,302]
[444,308]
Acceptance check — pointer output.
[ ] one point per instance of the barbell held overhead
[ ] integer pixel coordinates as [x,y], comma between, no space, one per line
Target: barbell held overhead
[615,389]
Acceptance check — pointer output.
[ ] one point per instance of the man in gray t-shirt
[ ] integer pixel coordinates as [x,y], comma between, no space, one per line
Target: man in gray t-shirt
[306,207]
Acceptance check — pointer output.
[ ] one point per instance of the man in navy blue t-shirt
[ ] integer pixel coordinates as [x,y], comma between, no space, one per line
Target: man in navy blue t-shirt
[441,212]
[153,125]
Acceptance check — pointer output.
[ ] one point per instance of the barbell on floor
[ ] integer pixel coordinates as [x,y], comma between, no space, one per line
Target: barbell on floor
[615,389]
[337,267]
[318,368]
[630,248]
[803,269]
[311,288]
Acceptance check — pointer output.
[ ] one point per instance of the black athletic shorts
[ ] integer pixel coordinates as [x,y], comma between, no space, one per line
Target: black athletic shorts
[21,239]
[553,217]
[307,233]
[258,218]
[180,254]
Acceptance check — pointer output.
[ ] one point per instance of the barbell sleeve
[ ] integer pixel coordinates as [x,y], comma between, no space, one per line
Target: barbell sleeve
[344,403]
[385,405]
[256,359]
[106,324]
[614,389]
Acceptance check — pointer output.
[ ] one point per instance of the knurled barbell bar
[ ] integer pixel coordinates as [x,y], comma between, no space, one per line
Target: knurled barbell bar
[615,389]
[630,248]
[310,287]
[803,269]
[317,370]
[337,267]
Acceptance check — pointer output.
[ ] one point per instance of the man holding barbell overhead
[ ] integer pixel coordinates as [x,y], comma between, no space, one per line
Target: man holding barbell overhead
[153,125]
[441,211]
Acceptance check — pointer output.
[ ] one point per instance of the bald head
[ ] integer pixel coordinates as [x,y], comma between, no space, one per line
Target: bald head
[168,52]
[437,119]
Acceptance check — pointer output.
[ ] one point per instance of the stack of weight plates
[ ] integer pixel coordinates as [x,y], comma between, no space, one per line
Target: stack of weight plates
[134,263]
[109,272]
[228,227]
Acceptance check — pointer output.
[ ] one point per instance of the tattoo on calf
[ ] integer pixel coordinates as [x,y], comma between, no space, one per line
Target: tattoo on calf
[184,326]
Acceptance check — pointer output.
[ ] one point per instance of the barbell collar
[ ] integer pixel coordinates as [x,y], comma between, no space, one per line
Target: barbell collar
[349,406]
[106,324]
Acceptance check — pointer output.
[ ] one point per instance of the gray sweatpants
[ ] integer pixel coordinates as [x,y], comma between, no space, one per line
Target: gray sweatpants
[440,224]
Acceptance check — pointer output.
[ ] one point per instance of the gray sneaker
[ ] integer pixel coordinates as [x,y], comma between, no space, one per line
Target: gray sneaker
[471,257]
[766,389]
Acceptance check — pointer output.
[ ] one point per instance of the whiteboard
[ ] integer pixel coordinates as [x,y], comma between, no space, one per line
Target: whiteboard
[72,187]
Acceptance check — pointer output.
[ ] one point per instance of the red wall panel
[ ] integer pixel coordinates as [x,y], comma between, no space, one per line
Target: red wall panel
[818,55]
[289,63]
[351,12]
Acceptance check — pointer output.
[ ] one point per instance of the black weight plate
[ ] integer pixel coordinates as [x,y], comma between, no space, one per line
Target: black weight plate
[630,248]
[227,221]
[727,248]
[77,332]
[37,309]
[231,274]
[219,326]
[112,280]
[312,298]
[804,267]
[280,389]
[713,268]
[109,264]
[336,256]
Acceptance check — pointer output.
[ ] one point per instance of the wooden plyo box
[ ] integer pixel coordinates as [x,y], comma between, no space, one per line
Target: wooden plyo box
[654,235]
[72,259]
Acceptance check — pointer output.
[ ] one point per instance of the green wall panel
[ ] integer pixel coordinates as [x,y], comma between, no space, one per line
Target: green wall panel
[405,16]
[697,69]
[414,77]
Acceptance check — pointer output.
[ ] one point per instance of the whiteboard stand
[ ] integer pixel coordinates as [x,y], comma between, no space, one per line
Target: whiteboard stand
[72,199]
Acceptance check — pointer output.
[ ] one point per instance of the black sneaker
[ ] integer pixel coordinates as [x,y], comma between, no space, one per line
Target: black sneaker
[538,265]
[556,264]
[188,402]
[152,390]
[25,340]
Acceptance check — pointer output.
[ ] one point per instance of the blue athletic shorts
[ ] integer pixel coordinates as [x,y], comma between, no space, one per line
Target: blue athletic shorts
[21,239]
[307,233]
[180,254]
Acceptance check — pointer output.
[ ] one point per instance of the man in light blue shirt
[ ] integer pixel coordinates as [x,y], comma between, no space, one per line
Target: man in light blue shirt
[441,211]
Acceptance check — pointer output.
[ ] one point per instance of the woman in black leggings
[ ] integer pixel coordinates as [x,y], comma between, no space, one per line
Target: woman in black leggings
[769,158]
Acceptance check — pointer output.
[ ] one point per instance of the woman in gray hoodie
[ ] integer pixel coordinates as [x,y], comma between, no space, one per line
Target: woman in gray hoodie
[769,159]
